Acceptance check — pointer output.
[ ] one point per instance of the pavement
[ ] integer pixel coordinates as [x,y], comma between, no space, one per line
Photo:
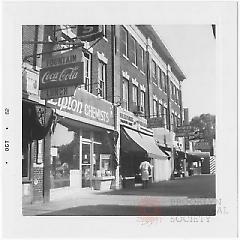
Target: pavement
[190,196]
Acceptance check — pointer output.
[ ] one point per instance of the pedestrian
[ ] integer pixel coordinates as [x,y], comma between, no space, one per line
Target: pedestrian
[145,168]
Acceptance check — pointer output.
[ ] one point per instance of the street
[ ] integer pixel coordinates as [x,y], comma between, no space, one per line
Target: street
[191,196]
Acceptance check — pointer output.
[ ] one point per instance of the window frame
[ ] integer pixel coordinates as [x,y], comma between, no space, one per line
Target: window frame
[87,84]
[142,100]
[126,93]
[155,110]
[125,41]
[103,68]
[135,94]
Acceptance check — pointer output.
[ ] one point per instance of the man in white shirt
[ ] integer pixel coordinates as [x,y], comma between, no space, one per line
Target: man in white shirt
[145,168]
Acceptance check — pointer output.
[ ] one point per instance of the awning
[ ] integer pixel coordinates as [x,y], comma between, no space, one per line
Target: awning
[134,141]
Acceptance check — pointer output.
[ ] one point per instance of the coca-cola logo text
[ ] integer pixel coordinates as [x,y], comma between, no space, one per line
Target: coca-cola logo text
[59,76]
[66,74]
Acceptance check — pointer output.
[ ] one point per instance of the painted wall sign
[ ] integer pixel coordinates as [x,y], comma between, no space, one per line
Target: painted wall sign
[89,32]
[61,76]
[85,105]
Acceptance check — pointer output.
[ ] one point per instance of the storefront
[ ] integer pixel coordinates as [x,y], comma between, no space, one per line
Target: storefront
[83,144]
[136,145]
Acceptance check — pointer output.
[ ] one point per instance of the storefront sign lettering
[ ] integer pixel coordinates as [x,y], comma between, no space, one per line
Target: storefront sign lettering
[59,76]
[85,105]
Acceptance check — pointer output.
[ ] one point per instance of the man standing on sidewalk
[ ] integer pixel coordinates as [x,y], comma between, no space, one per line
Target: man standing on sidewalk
[145,168]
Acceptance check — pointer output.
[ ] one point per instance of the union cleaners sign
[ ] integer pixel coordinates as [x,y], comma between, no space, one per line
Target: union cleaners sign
[86,105]
[61,76]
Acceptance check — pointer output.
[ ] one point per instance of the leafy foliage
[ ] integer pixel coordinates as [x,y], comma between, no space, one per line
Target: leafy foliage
[206,123]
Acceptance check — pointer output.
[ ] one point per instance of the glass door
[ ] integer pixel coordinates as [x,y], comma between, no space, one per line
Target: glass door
[86,165]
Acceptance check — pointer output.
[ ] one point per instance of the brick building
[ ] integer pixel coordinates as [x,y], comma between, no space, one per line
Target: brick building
[123,111]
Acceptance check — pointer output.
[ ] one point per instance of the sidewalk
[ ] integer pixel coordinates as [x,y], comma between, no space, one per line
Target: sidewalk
[154,196]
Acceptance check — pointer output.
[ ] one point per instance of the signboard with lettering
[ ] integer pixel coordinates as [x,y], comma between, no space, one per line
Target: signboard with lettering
[155,122]
[71,56]
[61,76]
[85,105]
[89,32]
[51,93]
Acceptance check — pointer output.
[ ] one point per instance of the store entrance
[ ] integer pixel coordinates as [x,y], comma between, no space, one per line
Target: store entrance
[86,164]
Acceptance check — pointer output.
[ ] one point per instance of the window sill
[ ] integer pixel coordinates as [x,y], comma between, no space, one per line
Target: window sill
[125,57]
[105,38]
[135,65]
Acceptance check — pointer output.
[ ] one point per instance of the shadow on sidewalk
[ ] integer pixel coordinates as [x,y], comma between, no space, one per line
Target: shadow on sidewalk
[192,187]
[117,210]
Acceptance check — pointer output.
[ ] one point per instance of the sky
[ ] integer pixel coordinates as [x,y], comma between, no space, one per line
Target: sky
[194,49]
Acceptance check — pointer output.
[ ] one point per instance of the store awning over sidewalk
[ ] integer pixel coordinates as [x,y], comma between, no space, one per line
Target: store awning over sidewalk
[134,141]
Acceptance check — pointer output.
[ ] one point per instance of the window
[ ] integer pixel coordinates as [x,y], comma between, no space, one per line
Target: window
[125,93]
[104,30]
[134,51]
[172,91]
[141,63]
[160,110]
[163,81]
[87,72]
[142,103]
[135,94]
[124,41]
[159,77]
[154,66]
[164,78]
[154,108]
[165,116]
[102,79]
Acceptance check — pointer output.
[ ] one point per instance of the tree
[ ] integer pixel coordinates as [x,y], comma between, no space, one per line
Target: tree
[206,124]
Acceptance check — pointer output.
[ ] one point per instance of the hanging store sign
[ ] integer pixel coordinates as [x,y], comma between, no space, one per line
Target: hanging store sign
[89,32]
[86,106]
[61,76]
[58,92]
[72,56]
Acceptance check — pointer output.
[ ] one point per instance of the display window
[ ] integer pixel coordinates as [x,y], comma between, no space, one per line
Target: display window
[64,156]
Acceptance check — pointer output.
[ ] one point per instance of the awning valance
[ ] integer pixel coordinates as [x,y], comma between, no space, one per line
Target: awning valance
[134,141]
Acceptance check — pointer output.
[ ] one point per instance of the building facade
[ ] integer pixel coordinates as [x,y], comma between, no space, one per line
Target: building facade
[124,110]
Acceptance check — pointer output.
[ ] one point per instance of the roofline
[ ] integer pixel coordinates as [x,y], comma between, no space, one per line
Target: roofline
[161,48]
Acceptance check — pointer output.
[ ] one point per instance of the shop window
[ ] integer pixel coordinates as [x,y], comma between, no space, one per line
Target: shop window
[64,156]
[102,79]
[135,94]
[87,72]
[125,94]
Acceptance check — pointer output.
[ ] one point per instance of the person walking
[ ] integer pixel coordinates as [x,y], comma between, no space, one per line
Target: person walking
[145,168]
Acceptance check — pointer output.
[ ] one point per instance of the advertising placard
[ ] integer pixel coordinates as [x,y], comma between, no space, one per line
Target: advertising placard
[61,76]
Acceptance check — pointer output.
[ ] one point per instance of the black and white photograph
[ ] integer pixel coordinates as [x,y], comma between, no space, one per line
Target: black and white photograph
[127,122]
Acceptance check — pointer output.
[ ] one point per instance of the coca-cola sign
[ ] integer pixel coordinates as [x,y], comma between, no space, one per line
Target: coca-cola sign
[61,76]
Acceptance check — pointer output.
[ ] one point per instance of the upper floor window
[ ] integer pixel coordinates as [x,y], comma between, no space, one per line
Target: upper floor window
[104,30]
[142,102]
[134,51]
[172,91]
[87,72]
[159,77]
[154,68]
[124,42]
[102,79]
[135,94]
[154,108]
[165,117]
[141,62]
[125,94]
[160,110]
